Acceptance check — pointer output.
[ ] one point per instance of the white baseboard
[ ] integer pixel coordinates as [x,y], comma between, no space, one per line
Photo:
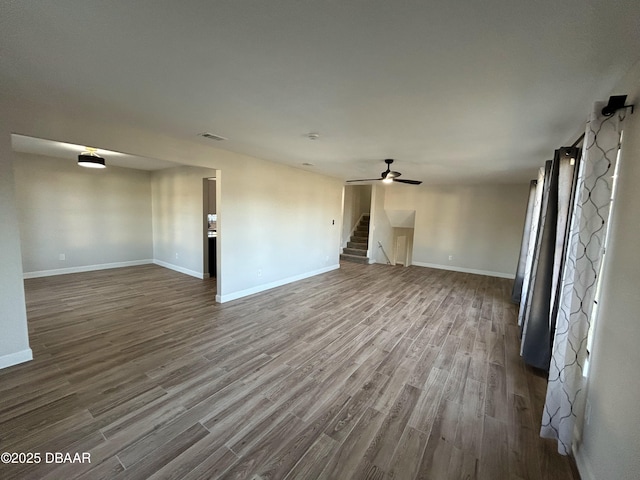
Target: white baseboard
[583,464]
[16,358]
[277,283]
[177,268]
[85,268]
[465,270]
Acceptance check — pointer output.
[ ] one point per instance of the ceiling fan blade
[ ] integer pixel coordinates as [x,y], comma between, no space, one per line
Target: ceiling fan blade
[388,176]
[410,182]
[365,180]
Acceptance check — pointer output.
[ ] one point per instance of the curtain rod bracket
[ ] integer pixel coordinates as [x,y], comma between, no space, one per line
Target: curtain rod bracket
[616,102]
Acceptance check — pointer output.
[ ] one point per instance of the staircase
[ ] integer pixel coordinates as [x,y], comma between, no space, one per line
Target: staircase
[356,249]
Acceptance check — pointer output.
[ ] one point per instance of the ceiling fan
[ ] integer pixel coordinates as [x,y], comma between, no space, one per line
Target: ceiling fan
[389,176]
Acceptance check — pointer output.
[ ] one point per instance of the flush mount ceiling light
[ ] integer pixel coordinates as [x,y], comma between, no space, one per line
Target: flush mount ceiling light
[90,159]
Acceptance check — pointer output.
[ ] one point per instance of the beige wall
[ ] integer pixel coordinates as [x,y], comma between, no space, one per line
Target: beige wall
[610,446]
[96,218]
[179,218]
[14,340]
[381,231]
[278,223]
[479,225]
[364,192]
[211,196]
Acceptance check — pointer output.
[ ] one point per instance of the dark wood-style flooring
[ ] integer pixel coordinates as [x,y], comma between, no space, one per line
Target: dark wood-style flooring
[372,372]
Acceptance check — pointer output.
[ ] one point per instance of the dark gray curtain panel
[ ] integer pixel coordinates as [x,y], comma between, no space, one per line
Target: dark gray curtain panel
[567,182]
[541,308]
[516,293]
[535,328]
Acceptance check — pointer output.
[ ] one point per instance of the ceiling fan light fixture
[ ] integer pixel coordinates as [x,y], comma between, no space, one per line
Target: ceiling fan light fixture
[388,176]
[90,159]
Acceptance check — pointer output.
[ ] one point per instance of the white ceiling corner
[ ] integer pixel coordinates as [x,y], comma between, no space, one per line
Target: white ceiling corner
[70,152]
[460,91]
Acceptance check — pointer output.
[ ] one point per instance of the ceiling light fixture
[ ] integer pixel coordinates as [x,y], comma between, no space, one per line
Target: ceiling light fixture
[389,176]
[313,136]
[90,159]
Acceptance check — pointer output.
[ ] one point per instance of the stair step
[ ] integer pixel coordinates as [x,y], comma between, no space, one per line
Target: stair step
[360,245]
[362,230]
[361,234]
[354,258]
[355,251]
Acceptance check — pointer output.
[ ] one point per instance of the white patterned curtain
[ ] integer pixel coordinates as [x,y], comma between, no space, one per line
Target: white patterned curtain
[565,390]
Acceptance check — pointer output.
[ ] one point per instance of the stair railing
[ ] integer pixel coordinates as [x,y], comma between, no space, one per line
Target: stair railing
[385,253]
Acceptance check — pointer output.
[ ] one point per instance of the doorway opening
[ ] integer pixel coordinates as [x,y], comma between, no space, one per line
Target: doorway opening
[210,228]
[355,242]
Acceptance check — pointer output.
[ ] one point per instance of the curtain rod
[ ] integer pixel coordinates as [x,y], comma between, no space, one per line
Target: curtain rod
[580,138]
[616,102]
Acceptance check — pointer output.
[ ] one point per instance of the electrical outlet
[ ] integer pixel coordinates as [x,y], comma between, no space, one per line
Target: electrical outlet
[176,255]
[62,256]
[450,257]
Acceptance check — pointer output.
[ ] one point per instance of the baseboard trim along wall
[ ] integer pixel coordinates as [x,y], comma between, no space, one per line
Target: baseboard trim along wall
[85,268]
[16,358]
[269,286]
[177,268]
[465,270]
[584,467]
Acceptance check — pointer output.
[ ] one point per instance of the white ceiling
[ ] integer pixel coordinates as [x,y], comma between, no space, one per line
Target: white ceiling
[70,151]
[460,91]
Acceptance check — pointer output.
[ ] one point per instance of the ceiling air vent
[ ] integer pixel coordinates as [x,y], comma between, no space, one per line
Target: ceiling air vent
[211,136]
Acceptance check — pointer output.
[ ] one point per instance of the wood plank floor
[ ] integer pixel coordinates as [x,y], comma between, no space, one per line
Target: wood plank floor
[372,372]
